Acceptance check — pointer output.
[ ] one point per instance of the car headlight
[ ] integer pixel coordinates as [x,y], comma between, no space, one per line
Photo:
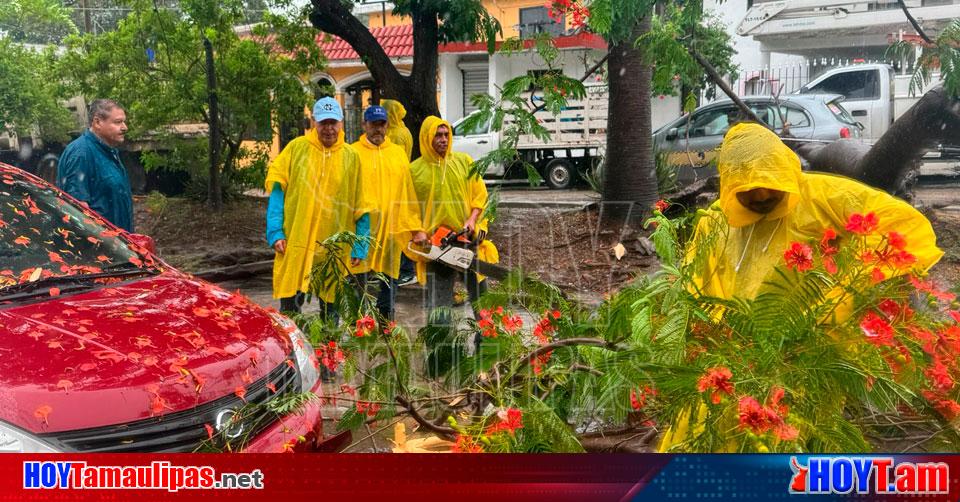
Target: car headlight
[14,440]
[303,352]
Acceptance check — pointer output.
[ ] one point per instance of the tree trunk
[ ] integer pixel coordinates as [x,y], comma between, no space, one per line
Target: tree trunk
[629,180]
[417,92]
[888,165]
[933,119]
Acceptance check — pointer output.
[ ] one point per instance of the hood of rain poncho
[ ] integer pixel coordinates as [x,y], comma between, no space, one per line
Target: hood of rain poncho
[427,132]
[396,130]
[395,112]
[752,156]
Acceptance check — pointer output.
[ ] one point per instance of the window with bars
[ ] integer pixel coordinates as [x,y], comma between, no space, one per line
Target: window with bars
[535,20]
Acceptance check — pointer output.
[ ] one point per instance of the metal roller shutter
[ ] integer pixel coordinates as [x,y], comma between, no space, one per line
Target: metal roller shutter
[475,81]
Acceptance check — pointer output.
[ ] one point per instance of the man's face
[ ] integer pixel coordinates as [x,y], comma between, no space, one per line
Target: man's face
[441,141]
[328,130]
[761,200]
[376,131]
[112,128]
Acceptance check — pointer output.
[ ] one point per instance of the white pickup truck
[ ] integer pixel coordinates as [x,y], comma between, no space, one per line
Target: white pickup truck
[873,95]
[578,135]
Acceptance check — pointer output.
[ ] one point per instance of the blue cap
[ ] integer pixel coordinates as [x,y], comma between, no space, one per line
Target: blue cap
[375,113]
[327,108]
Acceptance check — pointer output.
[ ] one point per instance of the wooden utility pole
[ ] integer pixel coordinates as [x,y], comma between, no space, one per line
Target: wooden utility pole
[215,194]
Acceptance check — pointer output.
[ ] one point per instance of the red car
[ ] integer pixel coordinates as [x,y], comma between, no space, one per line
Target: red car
[105,348]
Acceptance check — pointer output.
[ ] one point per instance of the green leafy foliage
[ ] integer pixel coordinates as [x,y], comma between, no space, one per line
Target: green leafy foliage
[943,54]
[154,65]
[35,21]
[29,95]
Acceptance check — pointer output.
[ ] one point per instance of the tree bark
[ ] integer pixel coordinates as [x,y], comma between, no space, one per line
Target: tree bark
[215,193]
[418,91]
[935,118]
[629,180]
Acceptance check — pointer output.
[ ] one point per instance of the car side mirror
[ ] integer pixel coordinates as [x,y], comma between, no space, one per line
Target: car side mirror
[144,241]
[672,134]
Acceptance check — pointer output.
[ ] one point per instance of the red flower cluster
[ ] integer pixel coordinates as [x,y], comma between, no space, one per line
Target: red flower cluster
[511,419]
[762,419]
[862,224]
[489,319]
[366,325]
[877,330]
[638,400]
[540,362]
[330,355]
[930,288]
[717,379]
[466,444]
[828,248]
[369,409]
[661,205]
[546,327]
[559,8]
[799,256]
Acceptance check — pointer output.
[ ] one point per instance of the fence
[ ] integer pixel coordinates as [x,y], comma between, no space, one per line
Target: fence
[763,82]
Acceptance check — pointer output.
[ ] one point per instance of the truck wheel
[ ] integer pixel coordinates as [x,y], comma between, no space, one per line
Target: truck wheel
[47,168]
[559,174]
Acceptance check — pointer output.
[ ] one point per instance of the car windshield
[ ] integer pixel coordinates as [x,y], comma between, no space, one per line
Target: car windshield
[43,236]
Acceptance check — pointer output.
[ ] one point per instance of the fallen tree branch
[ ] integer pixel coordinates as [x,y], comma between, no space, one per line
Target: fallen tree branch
[426,424]
[914,22]
[241,271]
[718,80]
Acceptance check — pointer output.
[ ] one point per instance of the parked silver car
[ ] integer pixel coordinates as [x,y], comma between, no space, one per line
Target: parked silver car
[691,143]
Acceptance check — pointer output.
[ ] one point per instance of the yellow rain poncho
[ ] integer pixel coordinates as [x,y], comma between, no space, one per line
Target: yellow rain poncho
[322,196]
[397,131]
[745,246]
[748,245]
[385,176]
[446,191]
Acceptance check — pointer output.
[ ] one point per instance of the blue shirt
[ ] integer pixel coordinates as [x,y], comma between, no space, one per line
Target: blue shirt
[91,171]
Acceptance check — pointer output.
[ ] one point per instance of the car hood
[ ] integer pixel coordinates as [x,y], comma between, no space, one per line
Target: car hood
[131,351]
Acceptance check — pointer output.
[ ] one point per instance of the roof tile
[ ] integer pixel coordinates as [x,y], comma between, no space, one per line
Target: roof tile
[397,42]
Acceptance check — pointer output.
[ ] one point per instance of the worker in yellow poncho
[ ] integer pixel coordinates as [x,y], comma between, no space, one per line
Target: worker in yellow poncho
[766,203]
[397,131]
[395,218]
[449,196]
[315,192]
[398,134]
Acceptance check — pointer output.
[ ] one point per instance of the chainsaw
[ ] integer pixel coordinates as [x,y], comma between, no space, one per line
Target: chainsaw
[458,251]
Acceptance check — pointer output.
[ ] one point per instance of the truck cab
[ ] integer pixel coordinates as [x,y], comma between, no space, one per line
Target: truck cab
[868,95]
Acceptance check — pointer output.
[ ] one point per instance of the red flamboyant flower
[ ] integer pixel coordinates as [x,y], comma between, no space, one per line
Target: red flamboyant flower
[762,419]
[365,326]
[717,379]
[931,288]
[330,355]
[639,400]
[540,362]
[512,324]
[877,276]
[466,444]
[753,416]
[939,375]
[799,256]
[862,224]
[511,419]
[827,247]
[487,327]
[889,308]
[896,241]
[949,408]
[661,205]
[877,330]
